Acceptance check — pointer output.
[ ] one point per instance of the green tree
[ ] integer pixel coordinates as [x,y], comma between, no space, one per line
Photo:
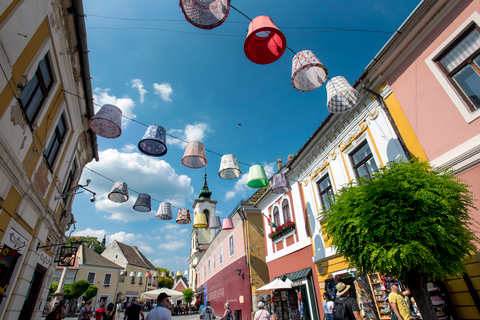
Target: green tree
[409,221]
[90,292]
[73,292]
[53,288]
[164,282]
[98,247]
[188,297]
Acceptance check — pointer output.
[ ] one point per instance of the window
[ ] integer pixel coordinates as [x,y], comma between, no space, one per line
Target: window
[232,248]
[461,64]
[34,93]
[276,216]
[91,277]
[207,216]
[326,191]
[70,177]
[214,261]
[286,211]
[363,162]
[53,148]
[220,254]
[208,266]
[204,271]
[107,279]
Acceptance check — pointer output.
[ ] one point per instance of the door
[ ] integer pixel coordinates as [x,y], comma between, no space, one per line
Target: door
[32,293]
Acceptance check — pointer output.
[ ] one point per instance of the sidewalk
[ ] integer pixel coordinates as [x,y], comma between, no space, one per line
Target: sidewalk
[182,317]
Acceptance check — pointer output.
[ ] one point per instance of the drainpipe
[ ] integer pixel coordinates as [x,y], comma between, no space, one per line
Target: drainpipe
[390,119]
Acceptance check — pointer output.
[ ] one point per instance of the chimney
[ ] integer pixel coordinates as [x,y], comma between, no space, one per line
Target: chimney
[290,157]
[279,163]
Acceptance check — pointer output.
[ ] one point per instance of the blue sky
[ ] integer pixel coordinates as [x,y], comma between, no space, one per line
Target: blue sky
[199,85]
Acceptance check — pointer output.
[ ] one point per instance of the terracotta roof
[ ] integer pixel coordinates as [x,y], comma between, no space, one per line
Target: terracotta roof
[92,258]
[134,256]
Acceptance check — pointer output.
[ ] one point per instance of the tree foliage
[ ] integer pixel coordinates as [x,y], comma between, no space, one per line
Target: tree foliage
[90,292]
[164,282]
[188,295]
[53,288]
[75,290]
[98,247]
[409,221]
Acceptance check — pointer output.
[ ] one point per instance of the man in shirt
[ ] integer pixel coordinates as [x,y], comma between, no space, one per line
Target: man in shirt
[345,307]
[208,313]
[161,312]
[134,311]
[400,308]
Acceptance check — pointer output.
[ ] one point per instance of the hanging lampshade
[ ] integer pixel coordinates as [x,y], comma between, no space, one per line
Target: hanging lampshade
[132,274]
[107,122]
[183,216]
[163,275]
[119,192]
[194,156]
[227,224]
[265,43]
[171,274]
[179,273]
[256,177]
[200,220]
[143,203]
[186,272]
[153,142]
[205,14]
[308,73]
[140,274]
[123,272]
[280,184]
[341,96]
[229,168]
[148,275]
[164,211]
[215,223]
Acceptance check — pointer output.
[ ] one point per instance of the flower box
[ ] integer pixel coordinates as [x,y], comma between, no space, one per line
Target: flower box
[282,231]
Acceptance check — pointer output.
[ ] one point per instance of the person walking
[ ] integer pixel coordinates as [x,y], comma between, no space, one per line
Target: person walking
[99,312]
[327,306]
[161,312]
[400,309]
[261,313]
[134,311]
[86,312]
[227,315]
[118,308]
[208,313]
[57,313]
[345,307]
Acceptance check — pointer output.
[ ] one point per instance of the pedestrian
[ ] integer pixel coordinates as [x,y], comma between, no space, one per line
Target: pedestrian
[109,314]
[227,315]
[208,313]
[327,306]
[99,312]
[400,309]
[86,311]
[345,307]
[124,305]
[133,311]
[119,308]
[161,312]
[261,313]
[57,313]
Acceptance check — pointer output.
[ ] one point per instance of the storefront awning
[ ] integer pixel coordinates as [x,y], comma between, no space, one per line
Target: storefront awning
[297,275]
[275,285]
[199,290]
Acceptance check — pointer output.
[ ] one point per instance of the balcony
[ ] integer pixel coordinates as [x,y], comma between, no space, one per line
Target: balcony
[282,231]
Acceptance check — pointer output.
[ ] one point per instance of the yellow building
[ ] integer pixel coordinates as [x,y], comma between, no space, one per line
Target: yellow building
[44,142]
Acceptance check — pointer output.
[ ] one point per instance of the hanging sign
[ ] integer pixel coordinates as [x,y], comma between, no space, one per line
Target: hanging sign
[45,259]
[15,240]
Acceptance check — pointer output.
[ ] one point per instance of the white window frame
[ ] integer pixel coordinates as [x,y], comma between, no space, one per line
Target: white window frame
[220,254]
[208,263]
[462,107]
[105,277]
[94,276]
[356,143]
[231,246]
[214,261]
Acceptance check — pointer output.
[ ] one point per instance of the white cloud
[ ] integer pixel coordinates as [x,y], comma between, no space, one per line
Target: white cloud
[129,148]
[121,236]
[102,96]
[99,234]
[172,245]
[137,83]
[240,188]
[164,90]
[141,173]
[192,132]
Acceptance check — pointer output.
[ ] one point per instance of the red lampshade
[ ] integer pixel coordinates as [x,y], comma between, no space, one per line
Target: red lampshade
[227,224]
[265,43]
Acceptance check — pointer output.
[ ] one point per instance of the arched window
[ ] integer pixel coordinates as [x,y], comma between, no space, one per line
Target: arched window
[276,216]
[207,215]
[286,211]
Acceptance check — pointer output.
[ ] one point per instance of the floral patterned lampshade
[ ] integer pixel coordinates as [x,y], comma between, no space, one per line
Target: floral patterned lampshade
[107,122]
[215,223]
[119,192]
[227,224]
[163,275]
[257,177]
[143,203]
[200,220]
[183,216]
[308,73]
[280,184]
[148,275]
[194,156]
[205,14]
[341,96]
[153,142]
[164,211]
[265,43]
[229,168]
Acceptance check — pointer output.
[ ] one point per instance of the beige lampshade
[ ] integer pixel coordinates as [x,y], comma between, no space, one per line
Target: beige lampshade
[194,156]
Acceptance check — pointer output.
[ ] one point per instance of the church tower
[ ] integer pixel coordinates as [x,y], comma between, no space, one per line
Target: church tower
[207,206]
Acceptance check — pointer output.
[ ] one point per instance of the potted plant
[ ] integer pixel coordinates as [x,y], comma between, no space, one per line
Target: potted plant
[282,229]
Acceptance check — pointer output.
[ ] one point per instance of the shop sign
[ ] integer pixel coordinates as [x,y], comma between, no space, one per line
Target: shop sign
[45,259]
[297,283]
[15,240]
[7,253]
[131,293]
[217,294]
[344,276]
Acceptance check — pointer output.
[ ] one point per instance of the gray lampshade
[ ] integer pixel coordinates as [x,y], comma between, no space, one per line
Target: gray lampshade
[143,203]
[119,192]
[215,223]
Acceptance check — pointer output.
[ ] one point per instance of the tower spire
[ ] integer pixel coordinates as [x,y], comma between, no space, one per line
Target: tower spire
[205,193]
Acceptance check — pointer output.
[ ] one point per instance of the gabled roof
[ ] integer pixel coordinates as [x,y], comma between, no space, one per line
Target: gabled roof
[92,258]
[134,256]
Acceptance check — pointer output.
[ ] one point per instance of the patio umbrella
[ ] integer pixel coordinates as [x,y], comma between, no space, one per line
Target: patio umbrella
[153,294]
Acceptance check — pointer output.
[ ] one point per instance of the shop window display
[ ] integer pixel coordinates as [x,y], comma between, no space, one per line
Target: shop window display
[8,260]
[286,304]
